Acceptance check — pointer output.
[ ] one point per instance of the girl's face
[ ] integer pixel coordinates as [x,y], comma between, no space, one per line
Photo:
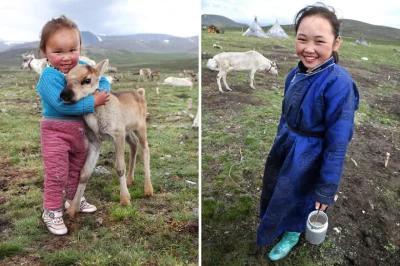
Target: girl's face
[63,49]
[315,41]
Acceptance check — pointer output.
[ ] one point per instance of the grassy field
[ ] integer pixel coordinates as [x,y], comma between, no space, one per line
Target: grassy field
[162,230]
[238,129]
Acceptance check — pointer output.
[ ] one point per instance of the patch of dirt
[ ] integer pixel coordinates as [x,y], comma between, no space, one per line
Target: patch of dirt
[366,211]
[10,175]
[19,100]
[56,243]
[364,78]
[191,227]
[387,104]
[238,97]
[280,56]
[27,260]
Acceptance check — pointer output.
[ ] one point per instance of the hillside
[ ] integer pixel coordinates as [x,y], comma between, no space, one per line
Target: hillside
[168,45]
[350,28]
[135,43]
[219,21]
[354,28]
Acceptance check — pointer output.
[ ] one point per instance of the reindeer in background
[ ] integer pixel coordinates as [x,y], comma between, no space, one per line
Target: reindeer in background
[155,74]
[32,63]
[37,65]
[144,72]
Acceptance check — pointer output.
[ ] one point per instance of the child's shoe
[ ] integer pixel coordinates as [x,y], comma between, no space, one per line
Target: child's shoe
[84,207]
[288,241]
[54,222]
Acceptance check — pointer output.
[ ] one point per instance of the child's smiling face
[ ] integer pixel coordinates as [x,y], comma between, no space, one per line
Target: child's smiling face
[315,41]
[63,49]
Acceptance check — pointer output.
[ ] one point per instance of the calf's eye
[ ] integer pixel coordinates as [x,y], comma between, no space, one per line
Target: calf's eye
[86,81]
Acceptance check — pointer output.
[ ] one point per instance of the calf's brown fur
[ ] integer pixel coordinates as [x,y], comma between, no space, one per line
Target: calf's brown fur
[122,118]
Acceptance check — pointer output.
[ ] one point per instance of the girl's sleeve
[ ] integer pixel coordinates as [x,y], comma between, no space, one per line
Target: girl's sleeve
[49,89]
[104,84]
[341,101]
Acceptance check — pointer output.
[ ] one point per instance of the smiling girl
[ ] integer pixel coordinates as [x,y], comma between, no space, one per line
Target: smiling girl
[304,167]
[62,128]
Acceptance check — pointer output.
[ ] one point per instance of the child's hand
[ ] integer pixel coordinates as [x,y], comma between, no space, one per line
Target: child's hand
[320,206]
[101,97]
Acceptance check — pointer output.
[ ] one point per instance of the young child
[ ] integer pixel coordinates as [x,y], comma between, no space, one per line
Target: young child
[62,128]
[304,167]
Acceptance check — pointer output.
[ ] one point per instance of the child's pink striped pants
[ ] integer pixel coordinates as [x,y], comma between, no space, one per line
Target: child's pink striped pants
[64,154]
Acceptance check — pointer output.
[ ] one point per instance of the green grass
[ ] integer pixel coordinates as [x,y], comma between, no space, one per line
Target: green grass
[11,247]
[140,234]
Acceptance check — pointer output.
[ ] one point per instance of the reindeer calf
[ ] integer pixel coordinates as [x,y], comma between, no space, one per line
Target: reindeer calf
[145,72]
[155,74]
[122,118]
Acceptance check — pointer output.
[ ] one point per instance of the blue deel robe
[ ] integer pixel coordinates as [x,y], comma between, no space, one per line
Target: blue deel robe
[306,160]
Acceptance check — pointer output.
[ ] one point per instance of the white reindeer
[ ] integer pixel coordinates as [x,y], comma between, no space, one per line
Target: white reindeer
[37,65]
[251,60]
[144,72]
[29,61]
[196,119]
[179,82]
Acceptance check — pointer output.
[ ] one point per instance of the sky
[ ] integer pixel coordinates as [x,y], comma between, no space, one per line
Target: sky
[381,12]
[22,20]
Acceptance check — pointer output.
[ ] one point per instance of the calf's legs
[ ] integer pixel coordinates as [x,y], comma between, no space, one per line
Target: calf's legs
[92,157]
[119,144]
[132,141]
[142,135]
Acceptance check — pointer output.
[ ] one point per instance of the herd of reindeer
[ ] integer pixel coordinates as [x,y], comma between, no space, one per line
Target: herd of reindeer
[187,77]
[37,65]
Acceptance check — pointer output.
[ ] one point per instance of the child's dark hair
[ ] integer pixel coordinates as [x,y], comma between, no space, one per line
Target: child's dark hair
[54,25]
[320,9]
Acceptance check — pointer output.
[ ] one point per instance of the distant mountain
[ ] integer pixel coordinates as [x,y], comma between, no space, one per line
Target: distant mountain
[89,38]
[137,43]
[358,29]
[144,43]
[4,45]
[219,21]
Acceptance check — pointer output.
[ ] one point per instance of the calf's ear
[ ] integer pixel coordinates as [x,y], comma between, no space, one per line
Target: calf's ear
[102,66]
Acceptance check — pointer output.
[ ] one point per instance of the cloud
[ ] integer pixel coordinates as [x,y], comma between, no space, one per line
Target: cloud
[22,20]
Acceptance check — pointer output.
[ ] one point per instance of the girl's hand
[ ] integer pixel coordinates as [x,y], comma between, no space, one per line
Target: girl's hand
[318,205]
[101,97]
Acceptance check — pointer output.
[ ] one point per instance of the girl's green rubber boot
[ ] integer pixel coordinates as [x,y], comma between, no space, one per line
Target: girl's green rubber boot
[288,241]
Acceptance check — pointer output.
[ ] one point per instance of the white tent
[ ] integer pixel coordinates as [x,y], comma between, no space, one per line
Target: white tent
[255,30]
[362,42]
[276,31]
